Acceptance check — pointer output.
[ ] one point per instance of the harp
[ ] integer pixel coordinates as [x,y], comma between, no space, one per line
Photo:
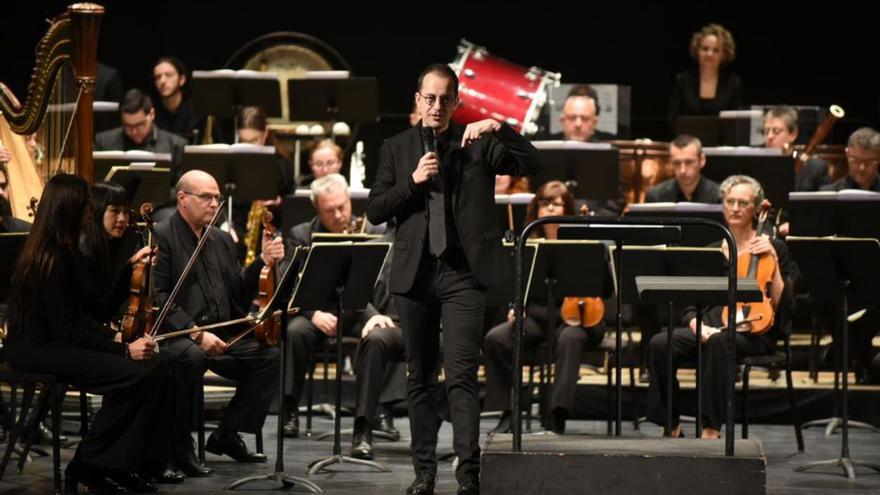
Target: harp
[57,113]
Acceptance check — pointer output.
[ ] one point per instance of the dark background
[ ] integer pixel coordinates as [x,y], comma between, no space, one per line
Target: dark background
[791,54]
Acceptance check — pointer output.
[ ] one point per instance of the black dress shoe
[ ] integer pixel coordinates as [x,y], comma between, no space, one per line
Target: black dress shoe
[386,424]
[362,440]
[505,424]
[132,481]
[557,420]
[469,486]
[232,445]
[291,426]
[93,478]
[168,475]
[423,484]
[189,464]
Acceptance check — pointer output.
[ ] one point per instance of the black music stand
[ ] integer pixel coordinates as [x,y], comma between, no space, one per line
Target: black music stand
[660,261]
[566,269]
[770,167]
[342,273]
[847,213]
[151,185]
[691,235]
[352,99]
[590,170]
[840,269]
[620,234]
[138,159]
[279,301]
[240,170]
[220,92]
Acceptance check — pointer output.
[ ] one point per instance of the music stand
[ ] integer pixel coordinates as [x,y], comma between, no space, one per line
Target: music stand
[353,99]
[220,92]
[240,169]
[343,273]
[849,213]
[106,160]
[769,166]
[840,269]
[691,235]
[590,170]
[151,183]
[280,300]
[620,233]
[566,269]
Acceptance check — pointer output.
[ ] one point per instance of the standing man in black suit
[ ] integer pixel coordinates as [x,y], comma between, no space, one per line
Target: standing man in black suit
[688,184]
[437,181]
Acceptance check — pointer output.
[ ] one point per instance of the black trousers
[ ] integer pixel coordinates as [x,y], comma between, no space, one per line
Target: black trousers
[379,379]
[713,379]
[132,429]
[253,365]
[570,344]
[444,292]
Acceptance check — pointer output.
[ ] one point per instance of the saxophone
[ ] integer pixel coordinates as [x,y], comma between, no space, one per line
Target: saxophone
[252,237]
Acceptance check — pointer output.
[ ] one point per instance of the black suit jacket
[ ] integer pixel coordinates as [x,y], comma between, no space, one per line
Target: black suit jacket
[470,175]
[847,182]
[217,289]
[813,176]
[707,191]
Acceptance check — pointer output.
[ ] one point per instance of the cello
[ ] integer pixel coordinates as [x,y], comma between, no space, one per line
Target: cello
[761,268]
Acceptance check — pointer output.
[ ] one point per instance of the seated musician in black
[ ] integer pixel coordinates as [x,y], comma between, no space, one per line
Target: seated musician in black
[688,184]
[740,196]
[217,289]
[551,199]
[51,331]
[138,130]
[174,112]
[324,159]
[863,159]
[781,131]
[379,377]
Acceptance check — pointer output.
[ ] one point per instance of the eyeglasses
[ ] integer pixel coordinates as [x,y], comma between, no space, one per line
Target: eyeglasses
[546,203]
[855,161]
[445,102]
[327,164]
[206,197]
[773,130]
[741,203]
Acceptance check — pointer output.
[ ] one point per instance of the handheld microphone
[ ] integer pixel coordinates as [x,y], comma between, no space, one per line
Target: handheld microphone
[427,140]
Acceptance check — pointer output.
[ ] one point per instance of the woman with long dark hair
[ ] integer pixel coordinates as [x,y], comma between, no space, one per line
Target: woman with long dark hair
[551,199]
[50,331]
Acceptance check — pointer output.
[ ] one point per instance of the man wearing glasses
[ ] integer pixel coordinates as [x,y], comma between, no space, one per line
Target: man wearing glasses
[781,131]
[138,131]
[863,160]
[218,289]
[447,250]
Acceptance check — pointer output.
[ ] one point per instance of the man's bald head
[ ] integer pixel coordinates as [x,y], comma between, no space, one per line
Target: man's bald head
[198,197]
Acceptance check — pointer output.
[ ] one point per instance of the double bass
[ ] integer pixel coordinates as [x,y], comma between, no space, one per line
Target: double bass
[760,267]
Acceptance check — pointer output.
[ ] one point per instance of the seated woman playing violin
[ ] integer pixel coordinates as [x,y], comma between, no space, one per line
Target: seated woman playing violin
[769,262]
[553,198]
[51,331]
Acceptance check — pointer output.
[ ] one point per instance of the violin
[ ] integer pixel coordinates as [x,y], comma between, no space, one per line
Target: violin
[140,310]
[760,267]
[583,311]
[268,330]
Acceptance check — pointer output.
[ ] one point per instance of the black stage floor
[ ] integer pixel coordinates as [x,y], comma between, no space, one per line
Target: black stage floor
[778,441]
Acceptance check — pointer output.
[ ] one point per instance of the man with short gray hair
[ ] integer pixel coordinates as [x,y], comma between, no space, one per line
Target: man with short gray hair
[863,159]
